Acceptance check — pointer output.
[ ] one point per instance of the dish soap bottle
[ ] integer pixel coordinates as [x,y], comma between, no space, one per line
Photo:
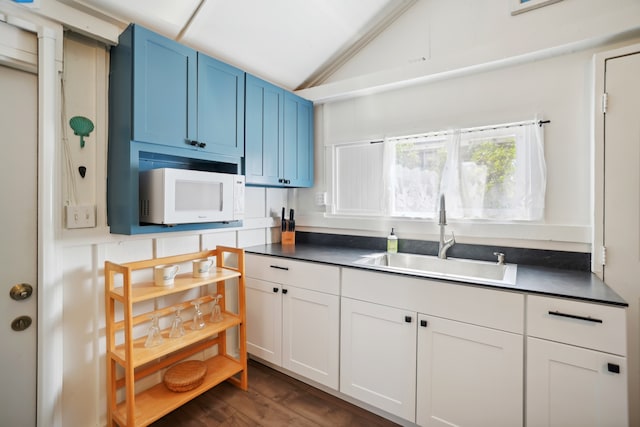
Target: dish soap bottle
[392,243]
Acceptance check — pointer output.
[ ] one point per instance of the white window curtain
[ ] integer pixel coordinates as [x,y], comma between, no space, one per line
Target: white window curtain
[495,173]
[490,173]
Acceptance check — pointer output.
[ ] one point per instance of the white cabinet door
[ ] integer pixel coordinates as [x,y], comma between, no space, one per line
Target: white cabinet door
[264,320]
[468,375]
[311,334]
[573,386]
[378,356]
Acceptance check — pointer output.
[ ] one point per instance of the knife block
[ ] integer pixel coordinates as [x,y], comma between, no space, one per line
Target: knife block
[288,238]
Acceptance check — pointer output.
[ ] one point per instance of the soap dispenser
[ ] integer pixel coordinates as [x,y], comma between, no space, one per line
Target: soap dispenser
[392,242]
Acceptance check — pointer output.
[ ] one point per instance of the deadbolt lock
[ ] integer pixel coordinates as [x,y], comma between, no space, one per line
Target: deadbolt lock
[21,291]
[21,323]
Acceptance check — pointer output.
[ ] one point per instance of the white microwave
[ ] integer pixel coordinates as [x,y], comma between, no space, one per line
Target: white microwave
[181,196]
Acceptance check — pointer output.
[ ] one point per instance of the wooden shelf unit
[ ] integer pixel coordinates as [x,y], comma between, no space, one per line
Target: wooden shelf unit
[137,361]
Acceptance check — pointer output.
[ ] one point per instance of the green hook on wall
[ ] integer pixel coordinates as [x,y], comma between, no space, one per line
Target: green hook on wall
[82,127]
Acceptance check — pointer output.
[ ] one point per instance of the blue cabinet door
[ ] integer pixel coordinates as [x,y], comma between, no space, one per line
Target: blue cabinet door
[298,141]
[164,90]
[220,107]
[263,132]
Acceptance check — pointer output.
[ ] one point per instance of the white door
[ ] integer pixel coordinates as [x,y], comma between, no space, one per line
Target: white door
[378,356]
[264,320]
[469,367]
[18,251]
[622,203]
[567,386]
[311,334]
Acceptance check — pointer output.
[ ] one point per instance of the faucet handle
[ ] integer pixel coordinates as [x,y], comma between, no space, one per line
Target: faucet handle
[500,256]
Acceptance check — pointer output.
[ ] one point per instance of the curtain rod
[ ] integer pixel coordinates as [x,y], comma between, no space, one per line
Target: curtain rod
[473,129]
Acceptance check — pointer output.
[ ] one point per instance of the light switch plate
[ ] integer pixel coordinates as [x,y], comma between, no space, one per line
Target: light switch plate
[83,216]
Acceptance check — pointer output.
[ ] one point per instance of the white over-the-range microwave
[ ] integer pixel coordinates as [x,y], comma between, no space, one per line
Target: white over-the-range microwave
[181,196]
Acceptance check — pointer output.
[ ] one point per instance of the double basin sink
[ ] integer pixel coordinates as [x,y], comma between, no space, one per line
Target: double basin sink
[460,270]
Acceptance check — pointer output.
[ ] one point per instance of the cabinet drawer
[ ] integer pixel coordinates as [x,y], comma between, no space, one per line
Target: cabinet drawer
[306,275]
[470,304]
[595,326]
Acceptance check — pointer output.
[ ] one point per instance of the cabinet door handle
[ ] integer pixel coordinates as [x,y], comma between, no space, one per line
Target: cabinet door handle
[423,323]
[575,316]
[408,319]
[284,291]
[613,368]
[275,290]
[279,268]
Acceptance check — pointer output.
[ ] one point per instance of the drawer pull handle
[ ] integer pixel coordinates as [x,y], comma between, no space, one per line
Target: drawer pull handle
[279,268]
[574,316]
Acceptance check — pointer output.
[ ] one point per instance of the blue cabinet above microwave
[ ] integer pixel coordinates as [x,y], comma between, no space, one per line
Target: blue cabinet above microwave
[169,106]
[179,97]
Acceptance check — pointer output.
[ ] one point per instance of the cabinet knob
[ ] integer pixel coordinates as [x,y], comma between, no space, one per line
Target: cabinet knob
[423,323]
[408,319]
[191,142]
[275,290]
[613,368]
[284,291]
[202,144]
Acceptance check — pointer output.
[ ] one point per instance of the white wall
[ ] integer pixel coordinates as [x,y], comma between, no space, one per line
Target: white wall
[462,34]
[83,252]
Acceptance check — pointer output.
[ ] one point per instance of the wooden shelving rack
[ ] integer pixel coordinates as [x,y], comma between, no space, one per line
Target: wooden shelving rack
[137,361]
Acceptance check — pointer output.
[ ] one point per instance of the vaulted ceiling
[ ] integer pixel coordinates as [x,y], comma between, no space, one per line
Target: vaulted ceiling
[292,43]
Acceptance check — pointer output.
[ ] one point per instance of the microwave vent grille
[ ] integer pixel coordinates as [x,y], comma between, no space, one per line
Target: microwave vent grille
[144,208]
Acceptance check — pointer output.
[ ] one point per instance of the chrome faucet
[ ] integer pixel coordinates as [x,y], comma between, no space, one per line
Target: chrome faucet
[444,245]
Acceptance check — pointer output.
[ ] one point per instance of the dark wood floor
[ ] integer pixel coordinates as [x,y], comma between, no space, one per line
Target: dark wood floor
[273,399]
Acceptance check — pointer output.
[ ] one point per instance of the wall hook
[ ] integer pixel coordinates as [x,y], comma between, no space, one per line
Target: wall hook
[82,127]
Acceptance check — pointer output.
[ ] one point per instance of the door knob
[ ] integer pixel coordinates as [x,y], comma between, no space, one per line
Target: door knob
[21,323]
[21,291]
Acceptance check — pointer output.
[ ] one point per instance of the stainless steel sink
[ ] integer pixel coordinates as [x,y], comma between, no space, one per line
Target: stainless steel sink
[462,270]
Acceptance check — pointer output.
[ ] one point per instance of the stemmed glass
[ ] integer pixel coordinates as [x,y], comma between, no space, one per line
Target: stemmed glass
[154,337]
[198,317]
[216,312]
[177,330]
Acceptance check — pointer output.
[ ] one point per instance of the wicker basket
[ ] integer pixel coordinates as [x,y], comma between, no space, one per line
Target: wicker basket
[185,376]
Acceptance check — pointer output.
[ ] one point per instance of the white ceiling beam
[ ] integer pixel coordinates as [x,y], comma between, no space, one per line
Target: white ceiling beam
[425,72]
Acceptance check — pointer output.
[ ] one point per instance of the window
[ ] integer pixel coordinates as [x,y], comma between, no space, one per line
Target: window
[489,173]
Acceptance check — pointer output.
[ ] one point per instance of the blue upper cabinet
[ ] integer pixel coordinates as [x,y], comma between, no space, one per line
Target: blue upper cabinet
[298,141]
[169,106]
[164,89]
[220,107]
[278,136]
[183,98]
[263,137]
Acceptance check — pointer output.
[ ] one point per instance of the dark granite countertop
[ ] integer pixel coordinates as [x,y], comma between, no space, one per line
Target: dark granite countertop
[579,285]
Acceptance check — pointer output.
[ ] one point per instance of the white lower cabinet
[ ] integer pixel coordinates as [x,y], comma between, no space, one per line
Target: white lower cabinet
[264,320]
[576,364]
[464,363]
[573,386]
[468,375]
[378,356]
[290,326]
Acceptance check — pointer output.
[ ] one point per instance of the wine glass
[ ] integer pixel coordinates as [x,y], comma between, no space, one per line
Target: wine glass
[216,312]
[177,330]
[154,337]
[198,317]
